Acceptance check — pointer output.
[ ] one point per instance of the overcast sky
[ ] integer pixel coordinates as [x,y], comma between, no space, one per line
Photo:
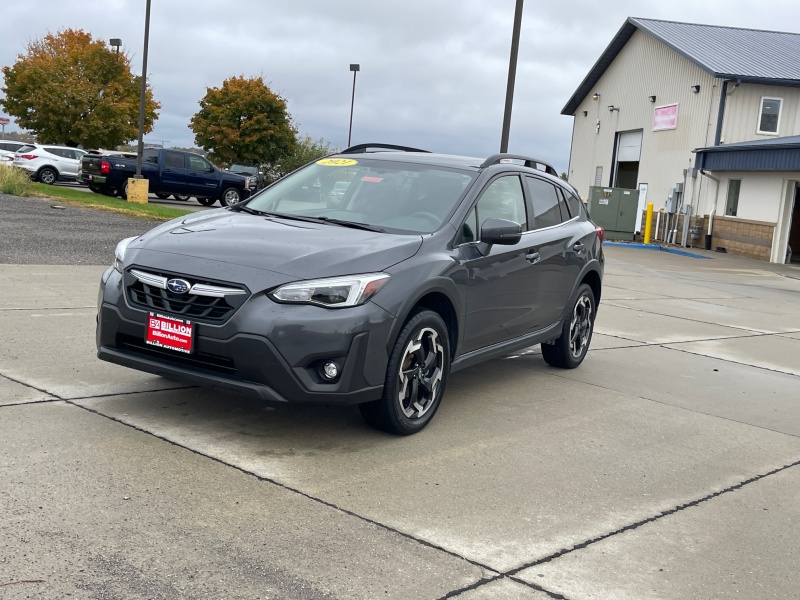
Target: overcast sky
[433,72]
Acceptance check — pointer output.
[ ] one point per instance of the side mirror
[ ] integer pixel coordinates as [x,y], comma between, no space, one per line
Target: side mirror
[501,231]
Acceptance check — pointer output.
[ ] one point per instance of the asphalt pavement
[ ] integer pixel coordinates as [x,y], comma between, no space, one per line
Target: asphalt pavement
[667,466]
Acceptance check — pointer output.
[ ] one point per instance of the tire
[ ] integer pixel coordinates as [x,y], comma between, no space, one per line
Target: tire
[570,348]
[416,377]
[95,189]
[181,197]
[47,175]
[206,201]
[161,196]
[230,197]
[108,191]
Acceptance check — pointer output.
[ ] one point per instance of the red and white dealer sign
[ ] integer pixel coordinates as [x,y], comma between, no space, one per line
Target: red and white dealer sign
[169,332]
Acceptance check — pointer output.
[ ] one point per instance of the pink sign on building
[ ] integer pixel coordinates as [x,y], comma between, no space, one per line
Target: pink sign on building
[665,117]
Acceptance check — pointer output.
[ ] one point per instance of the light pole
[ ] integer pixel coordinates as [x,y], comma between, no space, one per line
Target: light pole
[355,68]
[115,43]
[142,93]
[512,73]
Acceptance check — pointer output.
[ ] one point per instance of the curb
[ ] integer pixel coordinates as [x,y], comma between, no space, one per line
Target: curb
[656,247]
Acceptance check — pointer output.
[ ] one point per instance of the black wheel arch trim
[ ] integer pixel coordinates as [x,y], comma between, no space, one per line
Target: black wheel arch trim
[438,285]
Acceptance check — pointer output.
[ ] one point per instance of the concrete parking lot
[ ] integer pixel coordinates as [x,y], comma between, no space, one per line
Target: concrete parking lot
[666,466]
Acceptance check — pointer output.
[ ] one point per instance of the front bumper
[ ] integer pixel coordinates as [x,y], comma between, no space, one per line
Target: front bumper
[266,350]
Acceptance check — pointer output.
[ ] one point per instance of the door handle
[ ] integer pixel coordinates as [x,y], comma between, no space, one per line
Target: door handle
[578,247]
[533,257]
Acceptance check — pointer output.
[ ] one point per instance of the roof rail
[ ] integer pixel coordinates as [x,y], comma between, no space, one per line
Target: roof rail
[531,163]
[364,147]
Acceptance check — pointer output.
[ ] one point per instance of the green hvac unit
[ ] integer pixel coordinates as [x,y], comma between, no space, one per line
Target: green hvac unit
[614,209]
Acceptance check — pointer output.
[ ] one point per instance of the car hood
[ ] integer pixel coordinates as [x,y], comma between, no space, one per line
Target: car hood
[294,248]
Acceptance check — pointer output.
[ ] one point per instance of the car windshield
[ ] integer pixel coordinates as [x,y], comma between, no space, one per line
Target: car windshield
[398,197]
[234,168]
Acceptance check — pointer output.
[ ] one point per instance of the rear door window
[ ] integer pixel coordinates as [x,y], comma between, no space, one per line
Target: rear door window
[174,160]
[548,205]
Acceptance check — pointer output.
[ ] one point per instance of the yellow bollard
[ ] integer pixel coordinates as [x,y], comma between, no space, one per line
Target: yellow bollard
[137,190]
[648,224]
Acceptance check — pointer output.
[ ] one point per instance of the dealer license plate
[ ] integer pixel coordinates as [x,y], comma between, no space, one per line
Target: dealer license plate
[171,333]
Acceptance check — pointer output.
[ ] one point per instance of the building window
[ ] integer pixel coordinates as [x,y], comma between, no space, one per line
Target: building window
[770,117]
[598,176]
[733,197]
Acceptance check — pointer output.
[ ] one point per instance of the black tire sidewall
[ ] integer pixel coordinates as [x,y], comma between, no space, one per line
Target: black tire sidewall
[572,362]
[419,320]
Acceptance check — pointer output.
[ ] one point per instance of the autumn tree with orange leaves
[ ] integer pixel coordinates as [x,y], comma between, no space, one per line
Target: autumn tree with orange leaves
[244,121]
[70,89]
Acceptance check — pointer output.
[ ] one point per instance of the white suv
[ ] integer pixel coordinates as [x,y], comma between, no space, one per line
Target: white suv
[49,164]
[8,148]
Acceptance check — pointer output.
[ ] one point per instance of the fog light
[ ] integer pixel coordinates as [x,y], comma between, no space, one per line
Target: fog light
[330,370]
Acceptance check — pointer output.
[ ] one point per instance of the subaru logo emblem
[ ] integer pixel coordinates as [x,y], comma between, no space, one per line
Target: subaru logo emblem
[178,286]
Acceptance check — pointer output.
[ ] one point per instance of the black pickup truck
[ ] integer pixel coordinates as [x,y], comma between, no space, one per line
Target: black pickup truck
[170,172]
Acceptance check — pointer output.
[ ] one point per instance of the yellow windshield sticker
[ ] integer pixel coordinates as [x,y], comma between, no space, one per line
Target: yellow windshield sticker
[337,162]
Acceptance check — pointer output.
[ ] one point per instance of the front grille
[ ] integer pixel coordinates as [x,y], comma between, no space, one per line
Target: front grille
[205,308]
[209,362]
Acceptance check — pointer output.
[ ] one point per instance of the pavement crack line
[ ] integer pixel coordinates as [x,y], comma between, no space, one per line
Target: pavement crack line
[289,488]
[483,582]
[740,328]
[728,360]
[652,519]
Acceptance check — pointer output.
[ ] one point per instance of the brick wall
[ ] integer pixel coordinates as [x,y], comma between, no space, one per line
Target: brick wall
[752,239]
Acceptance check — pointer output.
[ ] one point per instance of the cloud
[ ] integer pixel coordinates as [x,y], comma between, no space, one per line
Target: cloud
[433,72]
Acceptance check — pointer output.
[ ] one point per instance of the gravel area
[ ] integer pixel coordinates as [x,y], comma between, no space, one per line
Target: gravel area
[33,232]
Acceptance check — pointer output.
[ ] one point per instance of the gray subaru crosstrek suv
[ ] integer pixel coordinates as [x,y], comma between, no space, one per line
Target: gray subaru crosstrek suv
[418,266]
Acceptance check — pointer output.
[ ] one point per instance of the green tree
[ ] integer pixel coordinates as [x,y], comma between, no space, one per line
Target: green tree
[70,89]
[305,150]
[244,121]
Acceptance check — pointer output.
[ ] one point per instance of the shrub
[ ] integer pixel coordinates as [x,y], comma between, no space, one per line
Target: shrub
[15,182]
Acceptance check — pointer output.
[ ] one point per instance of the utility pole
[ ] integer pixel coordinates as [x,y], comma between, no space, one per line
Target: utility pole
[512,74]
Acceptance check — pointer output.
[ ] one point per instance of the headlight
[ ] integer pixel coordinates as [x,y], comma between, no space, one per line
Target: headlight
[337,292]
[119,253]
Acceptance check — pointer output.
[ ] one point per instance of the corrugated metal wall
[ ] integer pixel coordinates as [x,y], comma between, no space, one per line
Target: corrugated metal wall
[645,67]
[743,110]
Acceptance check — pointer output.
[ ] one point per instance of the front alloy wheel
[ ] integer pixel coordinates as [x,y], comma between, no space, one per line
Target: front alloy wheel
[420,374]
[415,376]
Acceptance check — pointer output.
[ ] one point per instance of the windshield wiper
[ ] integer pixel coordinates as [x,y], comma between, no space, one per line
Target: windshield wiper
[352,224]
[307,219]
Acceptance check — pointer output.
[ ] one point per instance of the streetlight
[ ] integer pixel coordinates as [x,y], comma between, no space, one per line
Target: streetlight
[355,68]
[142,92]
[115,43]
[512,73]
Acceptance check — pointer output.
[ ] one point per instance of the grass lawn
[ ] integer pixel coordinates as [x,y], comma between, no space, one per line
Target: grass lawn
[118,205]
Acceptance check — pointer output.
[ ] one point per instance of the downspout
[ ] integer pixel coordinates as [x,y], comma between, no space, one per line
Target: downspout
[721,114]
[714,210]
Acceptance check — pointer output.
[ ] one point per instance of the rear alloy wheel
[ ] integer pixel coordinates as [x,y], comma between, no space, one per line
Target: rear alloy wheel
[206,201]
[230,197]
[569,350]
[123,190]
[48,176]
[415,377]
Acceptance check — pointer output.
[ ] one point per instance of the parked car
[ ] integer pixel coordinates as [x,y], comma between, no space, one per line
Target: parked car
[8,149]
[49,164]
[175,172]
[428,265]
[252,172]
